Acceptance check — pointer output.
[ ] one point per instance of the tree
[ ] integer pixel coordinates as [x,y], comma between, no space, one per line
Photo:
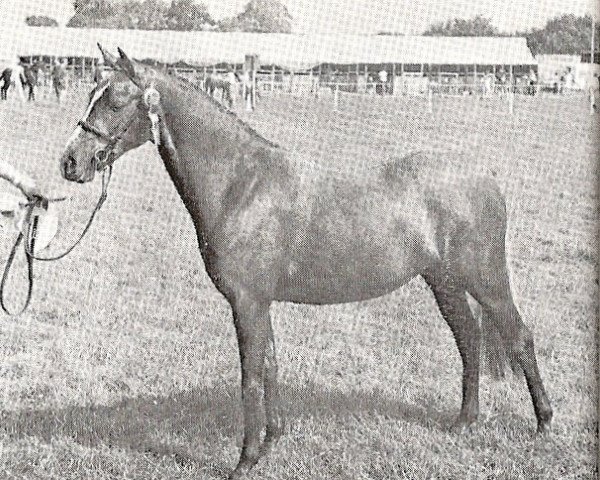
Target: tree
[41,21]
[92,13]
[142,15]
[260,16]
[565,34]
[478,26]
[147,15]
[188,15]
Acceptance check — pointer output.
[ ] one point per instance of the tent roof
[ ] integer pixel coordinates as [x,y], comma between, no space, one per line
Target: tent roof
[287,50]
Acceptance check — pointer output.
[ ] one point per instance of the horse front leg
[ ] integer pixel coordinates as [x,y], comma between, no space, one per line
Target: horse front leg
[274,419]
[251,318]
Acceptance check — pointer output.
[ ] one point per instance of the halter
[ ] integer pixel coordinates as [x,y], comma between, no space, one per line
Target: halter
[101,156]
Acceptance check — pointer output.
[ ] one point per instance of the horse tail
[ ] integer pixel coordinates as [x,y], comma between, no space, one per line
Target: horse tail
[501,324]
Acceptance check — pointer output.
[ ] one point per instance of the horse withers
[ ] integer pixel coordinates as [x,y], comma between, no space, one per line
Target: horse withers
[271,229]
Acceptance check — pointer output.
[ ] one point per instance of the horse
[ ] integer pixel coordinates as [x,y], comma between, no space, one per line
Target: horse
[29,79]
[214,83]
[269,229]
[6,78]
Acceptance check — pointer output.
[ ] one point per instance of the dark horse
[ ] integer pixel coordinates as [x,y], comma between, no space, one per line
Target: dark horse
[213,83]
[269,229]
[5,78]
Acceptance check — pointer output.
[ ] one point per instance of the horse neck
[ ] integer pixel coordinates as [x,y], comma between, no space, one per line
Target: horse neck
[209,143]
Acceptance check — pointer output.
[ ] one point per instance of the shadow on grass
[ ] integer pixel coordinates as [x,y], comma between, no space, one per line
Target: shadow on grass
[173,425]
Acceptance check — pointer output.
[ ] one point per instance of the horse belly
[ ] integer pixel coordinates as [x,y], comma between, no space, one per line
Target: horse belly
[328,277]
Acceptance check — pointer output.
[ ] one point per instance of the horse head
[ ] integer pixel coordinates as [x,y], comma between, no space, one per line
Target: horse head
[118,119]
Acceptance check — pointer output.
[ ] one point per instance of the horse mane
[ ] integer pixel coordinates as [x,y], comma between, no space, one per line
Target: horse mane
[188,83]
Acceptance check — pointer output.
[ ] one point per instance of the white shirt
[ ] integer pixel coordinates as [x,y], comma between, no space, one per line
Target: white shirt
[383,76]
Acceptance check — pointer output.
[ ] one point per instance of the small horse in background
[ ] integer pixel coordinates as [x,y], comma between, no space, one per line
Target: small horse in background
[29,79]
[6,79]
[214,83]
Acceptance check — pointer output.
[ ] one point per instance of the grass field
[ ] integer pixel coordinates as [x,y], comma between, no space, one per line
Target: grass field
[126,366]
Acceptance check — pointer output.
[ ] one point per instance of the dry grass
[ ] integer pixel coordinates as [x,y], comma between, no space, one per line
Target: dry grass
[125,367]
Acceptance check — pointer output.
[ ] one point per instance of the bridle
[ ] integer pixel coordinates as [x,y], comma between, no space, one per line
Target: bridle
[102,155]
[104,163]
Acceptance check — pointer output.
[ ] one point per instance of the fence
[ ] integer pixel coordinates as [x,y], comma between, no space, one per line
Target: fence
[307,83]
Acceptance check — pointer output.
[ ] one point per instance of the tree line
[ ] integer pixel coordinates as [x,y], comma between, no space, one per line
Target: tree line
[565,34]
[257,16]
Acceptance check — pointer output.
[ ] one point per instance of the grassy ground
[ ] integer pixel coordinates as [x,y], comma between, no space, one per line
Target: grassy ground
[125,366]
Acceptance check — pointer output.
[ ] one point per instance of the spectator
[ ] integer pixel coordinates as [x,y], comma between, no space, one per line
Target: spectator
[30,80]
[58,78]
[570,79]
[532,81]
[383,79]
[488,83]
[556,83]
[18,78]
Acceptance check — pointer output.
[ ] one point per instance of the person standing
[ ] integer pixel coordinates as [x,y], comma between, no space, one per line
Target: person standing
[30,77]
[532,79]
[230,87]
[58,79]
[13,76]
[488,83]
[383,78]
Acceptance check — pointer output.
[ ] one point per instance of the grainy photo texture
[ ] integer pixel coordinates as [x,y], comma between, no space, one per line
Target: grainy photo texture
[298,239]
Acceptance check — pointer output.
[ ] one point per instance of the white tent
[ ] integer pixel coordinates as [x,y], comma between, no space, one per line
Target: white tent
[287,50]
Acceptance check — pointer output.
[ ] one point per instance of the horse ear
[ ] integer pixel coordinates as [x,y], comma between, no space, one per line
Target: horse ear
[131,70]
[109,59]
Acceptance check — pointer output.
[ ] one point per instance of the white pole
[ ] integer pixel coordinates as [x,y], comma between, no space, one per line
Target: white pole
[511,100]
[593,41]
[336,98]
[430,99]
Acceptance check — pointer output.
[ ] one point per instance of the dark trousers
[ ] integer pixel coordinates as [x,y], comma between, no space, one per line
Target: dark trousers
[4,91]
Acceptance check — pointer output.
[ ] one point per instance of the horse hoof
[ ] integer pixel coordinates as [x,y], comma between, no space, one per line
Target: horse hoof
[269,444]
[463,427]
[238,474]
[543,429]
[242,469]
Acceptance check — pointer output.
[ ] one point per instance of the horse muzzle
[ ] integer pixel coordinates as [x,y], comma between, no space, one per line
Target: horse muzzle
[71,170]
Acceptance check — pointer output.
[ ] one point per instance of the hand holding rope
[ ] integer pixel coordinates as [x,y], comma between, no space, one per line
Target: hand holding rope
[30,236]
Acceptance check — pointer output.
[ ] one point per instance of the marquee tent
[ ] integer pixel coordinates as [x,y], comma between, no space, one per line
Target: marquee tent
[291,51]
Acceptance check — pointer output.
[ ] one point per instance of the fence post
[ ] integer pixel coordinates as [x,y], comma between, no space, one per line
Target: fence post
[511,100]
[430,99]
[272,79]
[336,99]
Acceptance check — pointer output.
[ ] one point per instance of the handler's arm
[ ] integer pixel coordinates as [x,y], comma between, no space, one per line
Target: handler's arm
[23,182]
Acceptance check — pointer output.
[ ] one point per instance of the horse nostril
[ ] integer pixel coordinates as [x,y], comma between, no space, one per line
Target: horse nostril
[69,164]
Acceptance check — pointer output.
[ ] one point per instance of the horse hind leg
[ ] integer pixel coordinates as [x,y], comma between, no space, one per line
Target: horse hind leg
[504,333]
[451,299]
[507,336]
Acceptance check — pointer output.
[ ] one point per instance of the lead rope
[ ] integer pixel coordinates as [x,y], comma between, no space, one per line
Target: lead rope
[29,247]
[107,173]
